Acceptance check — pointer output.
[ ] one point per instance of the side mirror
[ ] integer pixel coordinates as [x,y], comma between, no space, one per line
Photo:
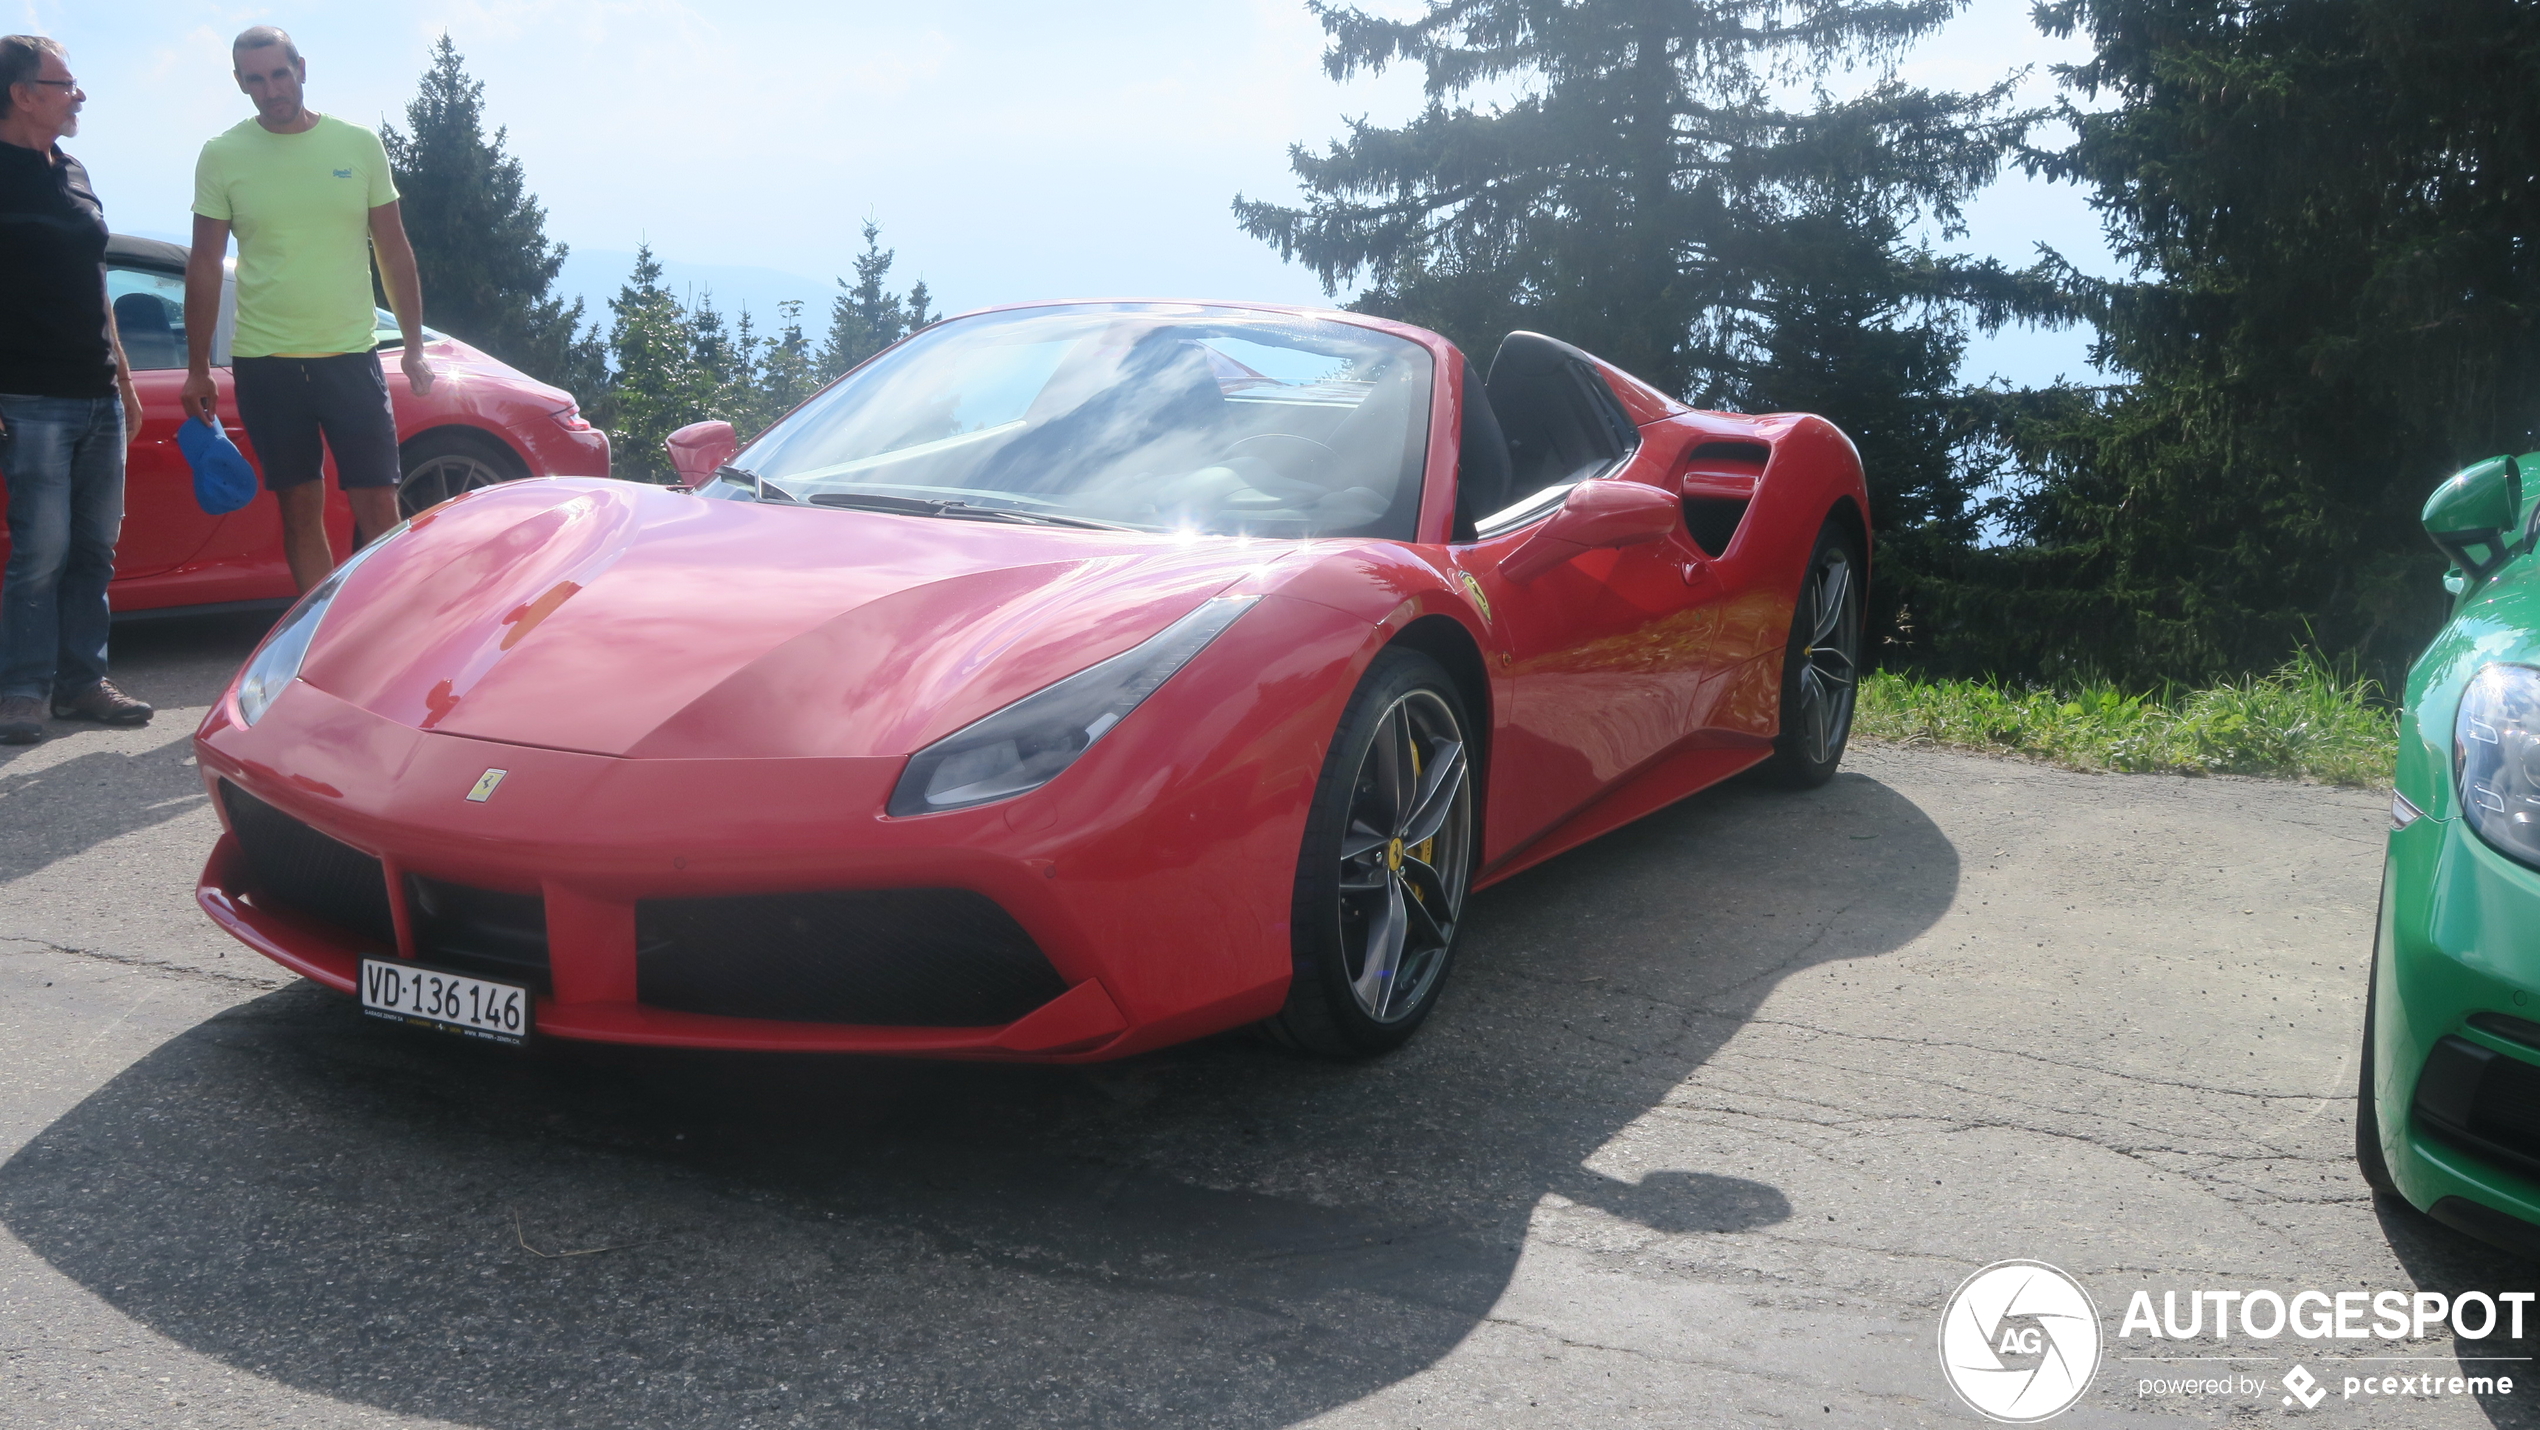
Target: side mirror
[2479,507]
[1597,513]
[697,449]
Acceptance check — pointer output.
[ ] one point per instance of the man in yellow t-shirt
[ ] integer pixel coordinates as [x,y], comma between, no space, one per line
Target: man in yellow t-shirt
[311,199]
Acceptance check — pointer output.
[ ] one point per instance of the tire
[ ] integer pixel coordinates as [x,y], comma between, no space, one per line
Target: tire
[1397,768]
[2368,1159]
[1821,664]
[439,465]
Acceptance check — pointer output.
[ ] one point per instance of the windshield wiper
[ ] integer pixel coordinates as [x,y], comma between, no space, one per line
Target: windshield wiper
[956,510]
[759,486]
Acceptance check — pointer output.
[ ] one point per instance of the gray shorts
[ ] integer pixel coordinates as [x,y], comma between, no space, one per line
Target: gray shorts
[287,402]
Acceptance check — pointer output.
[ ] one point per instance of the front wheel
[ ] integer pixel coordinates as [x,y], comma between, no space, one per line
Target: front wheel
[1388,852]
[1821,668]
[2368,1156]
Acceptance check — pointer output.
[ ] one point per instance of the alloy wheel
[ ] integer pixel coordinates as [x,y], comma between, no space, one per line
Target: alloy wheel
[1405,856]
[435,480]
[1830,669]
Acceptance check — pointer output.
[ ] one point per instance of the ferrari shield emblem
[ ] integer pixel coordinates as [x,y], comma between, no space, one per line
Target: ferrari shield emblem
[485,784]
[1476,588]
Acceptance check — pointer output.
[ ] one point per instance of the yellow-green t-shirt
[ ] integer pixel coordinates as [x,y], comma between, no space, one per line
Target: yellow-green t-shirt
[300,205]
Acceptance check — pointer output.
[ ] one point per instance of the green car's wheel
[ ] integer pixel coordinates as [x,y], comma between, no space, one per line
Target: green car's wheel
[1388,853]
[2368,1158]
[1821,665]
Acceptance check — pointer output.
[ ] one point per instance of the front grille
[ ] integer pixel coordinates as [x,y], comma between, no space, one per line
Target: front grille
[929,958]
[2483,1100]
[480,931]
[297,868]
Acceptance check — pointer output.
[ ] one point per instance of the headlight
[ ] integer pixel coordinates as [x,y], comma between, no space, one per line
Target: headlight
[276,663]
[1025,745]
[2496,759]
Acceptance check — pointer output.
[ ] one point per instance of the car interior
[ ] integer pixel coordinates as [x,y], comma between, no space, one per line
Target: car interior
[1544,421]
[150,340]
[145,283]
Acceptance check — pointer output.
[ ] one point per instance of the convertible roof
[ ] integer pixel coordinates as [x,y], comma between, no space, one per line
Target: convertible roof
[145,253]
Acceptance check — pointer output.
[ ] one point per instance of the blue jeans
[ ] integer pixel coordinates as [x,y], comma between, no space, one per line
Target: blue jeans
[62,458]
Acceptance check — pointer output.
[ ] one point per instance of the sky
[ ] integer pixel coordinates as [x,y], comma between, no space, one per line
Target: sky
[1010,150]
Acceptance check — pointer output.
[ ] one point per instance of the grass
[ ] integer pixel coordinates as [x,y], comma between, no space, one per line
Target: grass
[2306,720]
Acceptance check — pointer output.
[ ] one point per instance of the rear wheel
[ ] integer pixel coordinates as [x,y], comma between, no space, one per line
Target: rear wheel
[1822,665]
[1382,876]
[439,465]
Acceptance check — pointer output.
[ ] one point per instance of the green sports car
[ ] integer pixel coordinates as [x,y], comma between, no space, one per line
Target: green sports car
[2448,1115]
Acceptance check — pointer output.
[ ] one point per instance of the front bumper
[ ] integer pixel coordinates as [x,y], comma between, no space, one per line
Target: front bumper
[1161,908]
[2459,966]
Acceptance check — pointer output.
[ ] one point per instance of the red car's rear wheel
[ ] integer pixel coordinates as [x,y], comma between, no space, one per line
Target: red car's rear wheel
[1387,858]
[1821,667]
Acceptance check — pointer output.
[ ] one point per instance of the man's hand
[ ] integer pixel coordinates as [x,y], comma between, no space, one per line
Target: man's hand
[418,373]
[199,394]
[131,408]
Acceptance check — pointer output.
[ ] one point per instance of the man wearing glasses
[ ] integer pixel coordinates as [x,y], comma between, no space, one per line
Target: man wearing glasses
[67,408]
[310,199]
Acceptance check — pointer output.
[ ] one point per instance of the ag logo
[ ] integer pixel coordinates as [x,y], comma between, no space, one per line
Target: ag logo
[2019,1342]
[2305,1386]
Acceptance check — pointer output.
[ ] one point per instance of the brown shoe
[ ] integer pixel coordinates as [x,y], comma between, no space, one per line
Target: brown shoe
[104,704]
[21,720]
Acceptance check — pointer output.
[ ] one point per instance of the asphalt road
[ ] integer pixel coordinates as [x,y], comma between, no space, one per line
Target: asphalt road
[1716,1114]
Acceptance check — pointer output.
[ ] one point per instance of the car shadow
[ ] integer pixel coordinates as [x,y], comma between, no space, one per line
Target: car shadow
[1219,1233]
[2438,1258]
[67,807]
[55,805]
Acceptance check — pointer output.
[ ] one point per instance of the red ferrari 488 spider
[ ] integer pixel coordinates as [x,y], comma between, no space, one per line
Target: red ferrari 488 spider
[1067,681]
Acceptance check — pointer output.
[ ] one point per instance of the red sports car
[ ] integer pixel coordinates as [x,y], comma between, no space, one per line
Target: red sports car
[1067,681]
[482,423]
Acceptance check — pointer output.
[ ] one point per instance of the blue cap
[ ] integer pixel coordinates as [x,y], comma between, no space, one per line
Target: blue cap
[223,482]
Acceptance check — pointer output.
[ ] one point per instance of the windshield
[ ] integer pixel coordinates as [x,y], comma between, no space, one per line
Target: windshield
[386,334]
[1159,417]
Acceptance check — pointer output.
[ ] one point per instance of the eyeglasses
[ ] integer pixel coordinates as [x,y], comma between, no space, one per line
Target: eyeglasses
[57,83]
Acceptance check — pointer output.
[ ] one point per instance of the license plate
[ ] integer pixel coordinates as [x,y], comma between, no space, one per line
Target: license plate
[451,1002]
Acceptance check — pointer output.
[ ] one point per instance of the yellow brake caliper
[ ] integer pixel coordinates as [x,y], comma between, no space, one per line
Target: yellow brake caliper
[1427,848]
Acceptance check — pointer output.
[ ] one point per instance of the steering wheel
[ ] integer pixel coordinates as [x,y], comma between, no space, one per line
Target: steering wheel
[1296,458]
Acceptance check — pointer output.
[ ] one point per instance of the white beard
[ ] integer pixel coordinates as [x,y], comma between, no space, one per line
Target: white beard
[70,127]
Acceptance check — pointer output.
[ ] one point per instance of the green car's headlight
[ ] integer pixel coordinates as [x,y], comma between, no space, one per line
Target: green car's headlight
[1026,745]
[2496,759]
[276,663]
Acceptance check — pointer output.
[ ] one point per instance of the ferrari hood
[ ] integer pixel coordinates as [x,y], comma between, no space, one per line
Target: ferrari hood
[618,619]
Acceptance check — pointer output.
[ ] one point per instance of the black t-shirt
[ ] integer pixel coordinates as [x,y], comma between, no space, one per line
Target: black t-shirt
[53,295]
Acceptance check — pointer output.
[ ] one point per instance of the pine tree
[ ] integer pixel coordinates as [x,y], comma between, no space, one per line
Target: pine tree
[660,383]
[721,360]
[2329,208]
[676,363]
[785,373]
[480,236]
[864,318]
[1643,196]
